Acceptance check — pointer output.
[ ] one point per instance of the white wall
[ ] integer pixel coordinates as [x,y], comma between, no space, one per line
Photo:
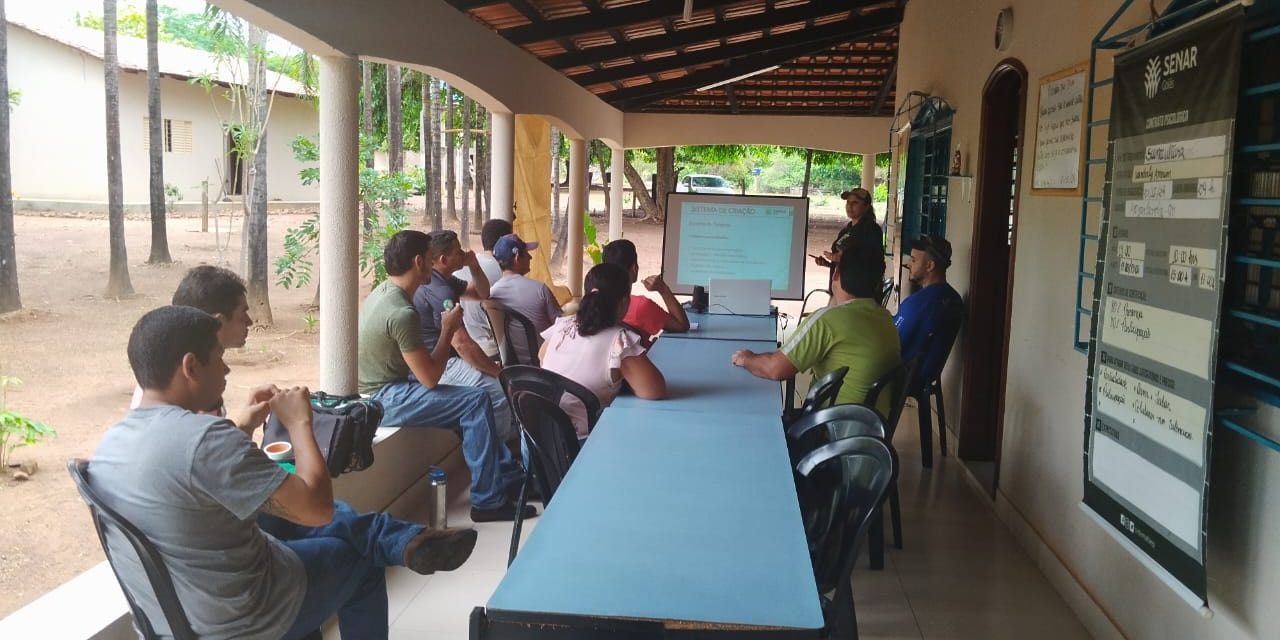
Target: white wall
[58,137]
[947,51]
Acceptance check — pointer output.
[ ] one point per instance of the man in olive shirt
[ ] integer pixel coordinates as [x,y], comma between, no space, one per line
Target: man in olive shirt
[853,331]
[397,369]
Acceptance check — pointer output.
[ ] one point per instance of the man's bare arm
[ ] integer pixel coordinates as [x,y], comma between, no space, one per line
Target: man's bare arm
[473,355]
[770,366]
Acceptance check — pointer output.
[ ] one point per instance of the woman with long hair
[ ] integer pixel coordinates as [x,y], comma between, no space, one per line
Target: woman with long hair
[595,350]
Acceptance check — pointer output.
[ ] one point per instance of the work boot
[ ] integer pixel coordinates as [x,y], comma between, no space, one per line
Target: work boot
[435,550]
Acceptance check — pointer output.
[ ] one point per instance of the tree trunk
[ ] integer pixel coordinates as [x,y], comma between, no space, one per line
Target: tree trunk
[640,191]
[555,180]
[666,157]
[487,178]
[366,133]
[451,180]
[808,170]
[366,109]
[465,218]
[9,298]
[424,144]
[118,283]
[437,160]
[395,142]
[159,236]
[258,285]
[480,218]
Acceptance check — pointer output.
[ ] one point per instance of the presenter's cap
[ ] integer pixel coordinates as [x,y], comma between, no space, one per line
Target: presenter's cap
[509,246]
[937,248]
[860,195]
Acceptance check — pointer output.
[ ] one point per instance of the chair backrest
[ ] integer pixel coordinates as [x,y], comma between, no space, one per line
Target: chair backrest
[823,426]
[938,349]
[551,386]
[894,382]
[106,521]
[552,441]
[823,391]
[805,304]
[844,482]
[886,288]
[514,323]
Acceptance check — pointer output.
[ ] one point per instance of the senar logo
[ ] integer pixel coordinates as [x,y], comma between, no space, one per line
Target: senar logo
[1151,79]
[1160,71]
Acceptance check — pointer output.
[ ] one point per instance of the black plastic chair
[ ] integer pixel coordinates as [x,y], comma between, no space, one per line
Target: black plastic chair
[844,482]
[514,323]
[822,393]
[895,382]
[886,288]
[926,384]
[843,421]
[549,385]
[106,520]
[553,444]
[827,425]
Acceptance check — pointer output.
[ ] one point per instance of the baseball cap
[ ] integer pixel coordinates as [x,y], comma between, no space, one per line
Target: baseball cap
[937,248]
[860,195]
[509,246]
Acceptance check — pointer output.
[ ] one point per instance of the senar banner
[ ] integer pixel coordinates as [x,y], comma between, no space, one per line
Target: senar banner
[1161,263]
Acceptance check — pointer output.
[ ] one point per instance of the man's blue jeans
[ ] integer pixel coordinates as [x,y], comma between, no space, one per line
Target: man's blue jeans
[346,563]
[468,411]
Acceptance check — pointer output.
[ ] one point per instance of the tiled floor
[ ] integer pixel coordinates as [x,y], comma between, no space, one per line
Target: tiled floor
[960,575]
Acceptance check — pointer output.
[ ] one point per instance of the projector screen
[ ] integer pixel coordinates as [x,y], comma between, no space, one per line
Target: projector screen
[721,236]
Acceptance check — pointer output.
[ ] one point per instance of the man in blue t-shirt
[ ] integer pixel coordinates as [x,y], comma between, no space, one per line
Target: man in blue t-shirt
[933,306]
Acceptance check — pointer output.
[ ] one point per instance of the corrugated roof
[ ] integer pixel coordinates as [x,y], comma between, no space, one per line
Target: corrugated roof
[175,60]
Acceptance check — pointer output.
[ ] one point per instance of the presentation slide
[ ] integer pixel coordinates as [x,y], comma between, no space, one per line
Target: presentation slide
[746,237]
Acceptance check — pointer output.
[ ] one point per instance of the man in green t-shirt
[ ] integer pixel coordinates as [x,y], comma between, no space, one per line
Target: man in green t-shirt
[853,331]
[397,369]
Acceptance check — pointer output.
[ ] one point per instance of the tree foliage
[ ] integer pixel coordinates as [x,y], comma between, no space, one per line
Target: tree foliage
[383,193]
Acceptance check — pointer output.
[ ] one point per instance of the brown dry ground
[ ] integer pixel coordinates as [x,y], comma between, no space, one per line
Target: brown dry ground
[68,347]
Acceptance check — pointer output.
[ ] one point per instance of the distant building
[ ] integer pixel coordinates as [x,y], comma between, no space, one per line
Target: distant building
[58,130]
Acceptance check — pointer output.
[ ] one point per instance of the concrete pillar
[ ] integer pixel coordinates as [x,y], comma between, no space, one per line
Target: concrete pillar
[339,222]
[577,206]
[869,172]
[502,163]
[615,193]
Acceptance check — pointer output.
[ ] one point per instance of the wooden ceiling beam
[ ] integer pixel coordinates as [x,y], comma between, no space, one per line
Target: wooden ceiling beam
[764,52]
[765,57]
[724,28]
[607,19]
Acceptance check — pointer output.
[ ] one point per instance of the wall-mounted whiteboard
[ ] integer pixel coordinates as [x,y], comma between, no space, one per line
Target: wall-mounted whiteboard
[1060,131]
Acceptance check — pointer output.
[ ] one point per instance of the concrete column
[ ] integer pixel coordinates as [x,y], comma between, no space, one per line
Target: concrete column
[577,205]
[339,222]
[615,193]
[869,172]
[502,163]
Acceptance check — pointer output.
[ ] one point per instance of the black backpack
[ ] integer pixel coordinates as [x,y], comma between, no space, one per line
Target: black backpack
[344,427]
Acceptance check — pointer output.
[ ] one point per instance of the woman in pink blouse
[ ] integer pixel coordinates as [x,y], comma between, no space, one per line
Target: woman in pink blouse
[593,349]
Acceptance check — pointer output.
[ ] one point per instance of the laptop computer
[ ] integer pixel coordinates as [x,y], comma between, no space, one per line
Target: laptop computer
[739,296]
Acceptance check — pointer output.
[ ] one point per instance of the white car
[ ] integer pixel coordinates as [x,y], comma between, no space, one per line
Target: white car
[705,183]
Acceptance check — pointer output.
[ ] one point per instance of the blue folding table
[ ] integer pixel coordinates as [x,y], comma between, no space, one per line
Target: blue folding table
[701,378]
[668,524]
[719,326]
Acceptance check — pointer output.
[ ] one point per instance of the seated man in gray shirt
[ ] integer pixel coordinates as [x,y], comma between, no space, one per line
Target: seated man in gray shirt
[526,296]
[193,484]
[474,317]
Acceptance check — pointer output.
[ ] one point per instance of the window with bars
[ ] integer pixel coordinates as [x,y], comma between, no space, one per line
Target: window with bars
[925,198]
[176,133]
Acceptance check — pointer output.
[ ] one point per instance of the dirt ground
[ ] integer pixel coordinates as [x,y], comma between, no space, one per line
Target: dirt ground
[68,347]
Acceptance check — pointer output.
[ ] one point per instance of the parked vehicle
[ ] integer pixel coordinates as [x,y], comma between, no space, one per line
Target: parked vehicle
[705,183]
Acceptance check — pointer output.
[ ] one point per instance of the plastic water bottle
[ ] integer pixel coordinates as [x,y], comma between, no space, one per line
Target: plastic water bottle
[438,517]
